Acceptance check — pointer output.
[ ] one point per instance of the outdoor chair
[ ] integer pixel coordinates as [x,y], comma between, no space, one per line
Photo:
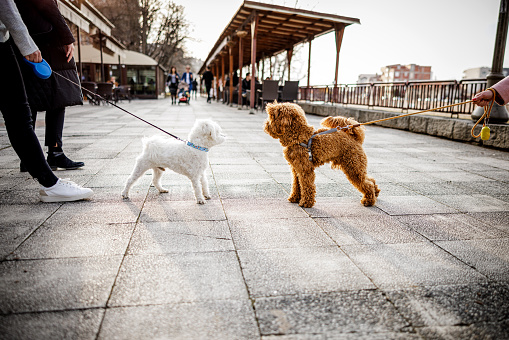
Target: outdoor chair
[122,92]
[91,87]
[269,92]
[290,91]
[105,90]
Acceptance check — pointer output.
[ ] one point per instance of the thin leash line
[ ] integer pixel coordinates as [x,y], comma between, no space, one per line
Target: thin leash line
[415,113]
[118,107]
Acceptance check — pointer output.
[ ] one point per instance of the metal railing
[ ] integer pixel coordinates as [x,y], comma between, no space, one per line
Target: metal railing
[416,95]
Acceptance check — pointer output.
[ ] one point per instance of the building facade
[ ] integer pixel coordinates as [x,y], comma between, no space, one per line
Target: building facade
[100,57]
[412,72]
[481,72]
[369,78]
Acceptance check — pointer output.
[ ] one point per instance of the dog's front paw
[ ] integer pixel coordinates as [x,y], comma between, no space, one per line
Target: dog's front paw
[294,198]
[125,195]
[368,202]
[207,197]
[307,203]
[200,200]
[163,190]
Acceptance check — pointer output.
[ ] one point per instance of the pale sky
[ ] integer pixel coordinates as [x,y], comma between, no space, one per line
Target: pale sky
[448,35]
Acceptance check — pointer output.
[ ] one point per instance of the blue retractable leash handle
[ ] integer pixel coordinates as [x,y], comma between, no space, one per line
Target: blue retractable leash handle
[41,70]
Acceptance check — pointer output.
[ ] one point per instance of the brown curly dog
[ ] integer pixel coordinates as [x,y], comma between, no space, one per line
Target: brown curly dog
[343,149]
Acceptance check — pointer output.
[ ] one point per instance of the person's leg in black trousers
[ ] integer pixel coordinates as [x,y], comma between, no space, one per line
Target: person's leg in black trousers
[18,120]
[207,88]
[53,140]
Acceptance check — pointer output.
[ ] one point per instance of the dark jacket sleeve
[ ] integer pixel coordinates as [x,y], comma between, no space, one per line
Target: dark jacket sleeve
[42,12]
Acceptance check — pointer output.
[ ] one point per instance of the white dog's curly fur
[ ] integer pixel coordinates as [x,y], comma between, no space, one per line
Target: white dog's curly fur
[163,152]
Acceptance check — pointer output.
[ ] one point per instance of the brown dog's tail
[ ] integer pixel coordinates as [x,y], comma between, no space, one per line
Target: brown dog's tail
[333,122]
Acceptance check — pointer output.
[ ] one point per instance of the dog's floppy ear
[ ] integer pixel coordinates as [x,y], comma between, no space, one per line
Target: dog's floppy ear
[284,116]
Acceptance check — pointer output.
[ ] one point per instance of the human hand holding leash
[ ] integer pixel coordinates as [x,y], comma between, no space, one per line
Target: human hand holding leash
[483,98]
[35,57]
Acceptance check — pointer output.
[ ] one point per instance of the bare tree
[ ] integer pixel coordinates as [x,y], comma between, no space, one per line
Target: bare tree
[153,27]
[168,36]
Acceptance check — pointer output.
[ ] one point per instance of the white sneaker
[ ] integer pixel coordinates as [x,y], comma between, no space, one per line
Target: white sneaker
[64,191]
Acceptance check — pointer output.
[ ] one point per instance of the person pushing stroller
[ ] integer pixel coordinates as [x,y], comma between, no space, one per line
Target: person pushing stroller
[183,92]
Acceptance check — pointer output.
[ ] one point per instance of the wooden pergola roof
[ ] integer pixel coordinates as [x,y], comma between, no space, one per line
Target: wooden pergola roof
[279,28]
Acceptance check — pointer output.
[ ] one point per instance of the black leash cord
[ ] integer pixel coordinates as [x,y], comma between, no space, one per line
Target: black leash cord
[118,107]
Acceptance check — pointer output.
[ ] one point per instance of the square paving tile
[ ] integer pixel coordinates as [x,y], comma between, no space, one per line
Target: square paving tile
[278,233]
[483,330]
[410,265]
[452,305]
[411,205]
[76,324]
[69,240]
[341,207]
[372,229]
[273,272]
[338,313]
[174,278]
[56,284]
[252,191]
[88,212]
[171,211]
[225,319]
[451,227]
[181,236]
[243,209]
[472,203]
[489,257]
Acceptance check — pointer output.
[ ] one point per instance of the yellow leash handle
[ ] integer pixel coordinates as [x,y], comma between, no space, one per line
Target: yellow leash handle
[485,131]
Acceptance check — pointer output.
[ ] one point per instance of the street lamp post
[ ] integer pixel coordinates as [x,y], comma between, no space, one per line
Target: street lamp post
[499,113]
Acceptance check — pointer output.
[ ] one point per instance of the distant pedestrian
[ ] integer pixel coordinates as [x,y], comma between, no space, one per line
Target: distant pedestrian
[502,94]
[172,81]
[207,78]
[194,88]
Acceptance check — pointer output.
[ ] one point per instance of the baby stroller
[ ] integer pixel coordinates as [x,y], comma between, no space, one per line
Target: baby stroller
[183,93]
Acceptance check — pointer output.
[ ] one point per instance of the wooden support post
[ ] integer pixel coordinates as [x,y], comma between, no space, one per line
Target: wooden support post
[289,55]
[309,63]
[254,31]
[230,90]
[241,35]
[340,30]
[222,76]
[217,81]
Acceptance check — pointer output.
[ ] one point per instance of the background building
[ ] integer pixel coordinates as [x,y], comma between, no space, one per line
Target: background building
[100,56]
[369,78]
[480,72]
[412,72]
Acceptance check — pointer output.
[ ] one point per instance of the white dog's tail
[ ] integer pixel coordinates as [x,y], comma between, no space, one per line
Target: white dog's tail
[333,122]
[150,146]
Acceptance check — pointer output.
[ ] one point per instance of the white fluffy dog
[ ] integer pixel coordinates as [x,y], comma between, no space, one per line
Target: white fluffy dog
[163,152]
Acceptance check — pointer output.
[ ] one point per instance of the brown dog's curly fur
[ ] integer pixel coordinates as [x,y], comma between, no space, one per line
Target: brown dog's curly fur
[343,149]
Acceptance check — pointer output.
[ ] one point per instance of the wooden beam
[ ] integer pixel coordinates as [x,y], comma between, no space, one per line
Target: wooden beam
[289,54]
[309,61]
[254,29]
[241,35]
[230,90]
[339,30]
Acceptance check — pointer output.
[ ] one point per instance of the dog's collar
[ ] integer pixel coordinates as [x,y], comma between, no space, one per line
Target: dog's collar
[310,141]
[201,148]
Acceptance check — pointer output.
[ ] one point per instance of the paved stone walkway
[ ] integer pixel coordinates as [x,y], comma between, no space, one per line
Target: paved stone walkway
[430,260]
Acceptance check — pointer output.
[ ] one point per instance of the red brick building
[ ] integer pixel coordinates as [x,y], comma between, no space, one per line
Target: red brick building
[412,72]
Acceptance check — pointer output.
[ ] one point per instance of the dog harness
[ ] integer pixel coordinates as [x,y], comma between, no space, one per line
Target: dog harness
[310,141]
[201,148]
